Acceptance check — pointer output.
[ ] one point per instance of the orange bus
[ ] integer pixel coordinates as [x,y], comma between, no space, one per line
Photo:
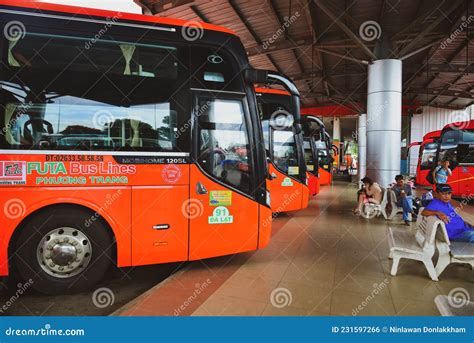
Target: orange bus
[279,114]
[126,139]
[314,127]
[312,165]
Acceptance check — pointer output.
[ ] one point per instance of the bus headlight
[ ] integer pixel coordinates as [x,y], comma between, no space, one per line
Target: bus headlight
[268,199]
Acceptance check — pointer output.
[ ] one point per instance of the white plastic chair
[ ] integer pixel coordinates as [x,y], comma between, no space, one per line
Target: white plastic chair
[419,246]
[371,210]
[452,252]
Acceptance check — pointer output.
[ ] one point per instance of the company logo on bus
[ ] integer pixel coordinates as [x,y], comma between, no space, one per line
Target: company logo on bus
[12,173]
[171,173]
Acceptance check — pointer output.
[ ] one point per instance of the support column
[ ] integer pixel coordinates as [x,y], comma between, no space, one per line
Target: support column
[384,120]
[362,143]
[336,139]
[336,132]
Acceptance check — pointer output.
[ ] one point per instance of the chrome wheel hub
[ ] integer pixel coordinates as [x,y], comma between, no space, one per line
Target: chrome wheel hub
[64,252]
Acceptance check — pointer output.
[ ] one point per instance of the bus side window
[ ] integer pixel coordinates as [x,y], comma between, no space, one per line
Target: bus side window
[113,95]
[465,153]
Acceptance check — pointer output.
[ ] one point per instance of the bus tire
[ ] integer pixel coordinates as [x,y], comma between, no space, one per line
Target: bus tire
[63,250]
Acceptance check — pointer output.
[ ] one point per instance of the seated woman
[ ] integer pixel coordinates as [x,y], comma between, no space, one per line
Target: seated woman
[371,192]
[440,206]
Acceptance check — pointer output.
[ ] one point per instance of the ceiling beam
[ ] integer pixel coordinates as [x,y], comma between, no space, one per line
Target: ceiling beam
[446,69]
[448,93]
[450,59]
[311,8]
[281,45]
[431,52]
[431,26]
[250,29]
[417,19]
[450,101]
[345,29]
[199,14]
[447,86]
[343,56]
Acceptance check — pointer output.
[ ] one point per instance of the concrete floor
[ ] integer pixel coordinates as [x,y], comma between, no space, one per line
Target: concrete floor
[321,261]
[124,283]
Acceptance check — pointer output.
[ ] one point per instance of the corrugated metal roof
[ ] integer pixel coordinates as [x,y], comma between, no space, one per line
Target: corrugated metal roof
[309,41]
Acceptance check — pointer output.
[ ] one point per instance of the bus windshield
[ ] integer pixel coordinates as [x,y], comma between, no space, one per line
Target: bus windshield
[281,141]
[457,146]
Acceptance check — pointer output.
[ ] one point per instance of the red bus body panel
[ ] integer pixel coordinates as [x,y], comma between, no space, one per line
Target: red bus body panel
[421,174]
[462,178]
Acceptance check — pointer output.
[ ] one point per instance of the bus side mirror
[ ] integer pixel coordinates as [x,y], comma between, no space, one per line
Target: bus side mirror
[322,134]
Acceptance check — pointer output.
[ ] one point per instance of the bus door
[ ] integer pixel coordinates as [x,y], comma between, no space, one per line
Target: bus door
[464,179]
[286,186]
[312,166]
[426,160]
[223,215]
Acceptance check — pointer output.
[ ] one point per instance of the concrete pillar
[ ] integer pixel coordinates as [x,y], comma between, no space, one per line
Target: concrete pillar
[336,139]
[362,142]
[384,120]
[336,132]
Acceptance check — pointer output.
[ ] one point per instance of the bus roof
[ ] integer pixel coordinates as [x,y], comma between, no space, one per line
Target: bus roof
[432,135]
[266,90]
[465,125]
[75,10]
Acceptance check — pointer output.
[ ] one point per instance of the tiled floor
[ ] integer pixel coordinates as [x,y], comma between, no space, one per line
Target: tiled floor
[322,261]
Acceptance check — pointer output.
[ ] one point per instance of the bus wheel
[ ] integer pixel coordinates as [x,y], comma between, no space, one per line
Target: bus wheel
[60,253]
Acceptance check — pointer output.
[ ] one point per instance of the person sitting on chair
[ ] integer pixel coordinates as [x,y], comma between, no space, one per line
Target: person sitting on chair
[440,206]
[404,197]
[371,192]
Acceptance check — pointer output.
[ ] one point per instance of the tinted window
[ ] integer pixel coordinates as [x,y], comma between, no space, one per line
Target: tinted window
[266,135]
[450,137]
[428,155]
[467,136]
[284,152]
[215,69]
[465,153]
[308,156]
[324,160]
[224,150]
[61,93]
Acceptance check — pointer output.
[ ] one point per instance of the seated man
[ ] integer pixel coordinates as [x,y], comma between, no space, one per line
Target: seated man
[440,206]
[404,197]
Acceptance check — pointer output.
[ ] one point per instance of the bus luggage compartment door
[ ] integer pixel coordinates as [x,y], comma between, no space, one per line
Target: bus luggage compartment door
[159,225]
